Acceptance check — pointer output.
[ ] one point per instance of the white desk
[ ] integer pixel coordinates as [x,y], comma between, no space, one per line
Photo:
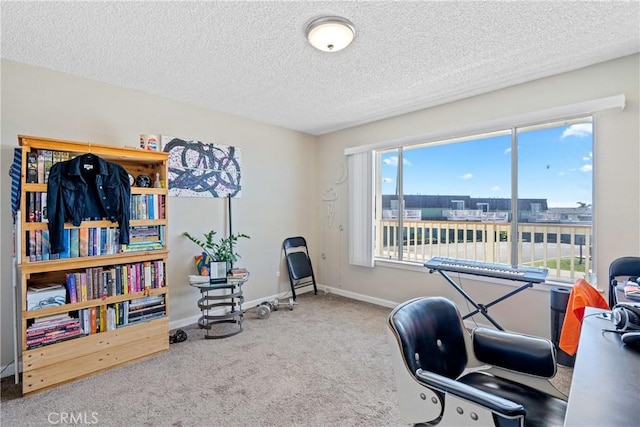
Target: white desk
[606,378]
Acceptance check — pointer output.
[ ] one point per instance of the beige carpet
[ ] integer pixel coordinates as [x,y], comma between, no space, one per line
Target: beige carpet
[326,363]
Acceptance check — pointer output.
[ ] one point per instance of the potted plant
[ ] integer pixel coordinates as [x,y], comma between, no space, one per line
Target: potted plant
[220,251]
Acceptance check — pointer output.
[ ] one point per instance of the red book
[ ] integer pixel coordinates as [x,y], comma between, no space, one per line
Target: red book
[94,320]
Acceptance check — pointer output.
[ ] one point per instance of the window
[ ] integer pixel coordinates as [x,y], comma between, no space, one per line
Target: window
[517,196]
[483,207]
[457,205]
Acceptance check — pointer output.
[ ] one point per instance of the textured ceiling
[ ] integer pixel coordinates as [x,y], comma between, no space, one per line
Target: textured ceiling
[252,58]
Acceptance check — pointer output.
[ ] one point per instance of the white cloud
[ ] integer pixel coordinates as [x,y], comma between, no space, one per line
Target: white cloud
[507,150]
[393,161]
[580,130]
[387,180]
[560,173]
[586,168]
[466,176]
[586,159]
[495,188]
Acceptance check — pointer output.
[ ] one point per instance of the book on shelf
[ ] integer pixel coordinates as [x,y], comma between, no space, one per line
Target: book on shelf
[103,318]
[37,212]
[43,287]
[46,249]
[40,166]
[84,288]
[32,168]
[83,242]
[38,245]
[52,331]
[71,287]
[32,244]
[144,311]
[50,318]
[69,335]
[111,318]
[143,246]
[85,320]
[93,313]
[146,317]
[74,248]
[66,237]
[48,162]
[31,207]
[144,302]
[46,321]
[103,241]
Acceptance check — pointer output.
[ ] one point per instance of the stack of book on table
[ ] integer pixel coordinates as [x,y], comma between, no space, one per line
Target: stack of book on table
[238,273]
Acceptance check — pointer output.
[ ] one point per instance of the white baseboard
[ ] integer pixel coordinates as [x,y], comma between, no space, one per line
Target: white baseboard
[359,297]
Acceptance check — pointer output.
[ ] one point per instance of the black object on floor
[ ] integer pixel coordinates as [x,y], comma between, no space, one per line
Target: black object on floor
[179,336]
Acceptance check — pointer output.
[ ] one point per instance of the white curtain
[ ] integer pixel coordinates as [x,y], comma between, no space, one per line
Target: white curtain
[361,209]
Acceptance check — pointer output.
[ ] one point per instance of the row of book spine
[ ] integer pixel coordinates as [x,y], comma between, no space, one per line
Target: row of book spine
[94,320]
[147,206]
[102,282]
[93,241]
[39,163]
[142,206]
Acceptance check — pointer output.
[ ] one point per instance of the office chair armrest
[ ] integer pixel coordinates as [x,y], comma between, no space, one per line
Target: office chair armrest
[494,403]
[515,352]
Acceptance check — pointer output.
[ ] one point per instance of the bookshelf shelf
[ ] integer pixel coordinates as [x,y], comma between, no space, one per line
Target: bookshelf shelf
[116,295]
[86,262]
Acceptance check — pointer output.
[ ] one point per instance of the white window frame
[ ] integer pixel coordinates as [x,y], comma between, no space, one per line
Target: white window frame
[362,170]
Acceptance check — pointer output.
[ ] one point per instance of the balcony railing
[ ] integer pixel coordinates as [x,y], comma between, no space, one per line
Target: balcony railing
[565,249]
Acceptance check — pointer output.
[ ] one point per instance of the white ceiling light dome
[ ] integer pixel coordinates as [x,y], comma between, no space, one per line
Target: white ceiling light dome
[330,33]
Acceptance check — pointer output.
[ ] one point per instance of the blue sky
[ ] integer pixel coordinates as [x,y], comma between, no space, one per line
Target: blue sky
[554,163]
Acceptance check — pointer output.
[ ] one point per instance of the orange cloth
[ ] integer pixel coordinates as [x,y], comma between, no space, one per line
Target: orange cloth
[582,295]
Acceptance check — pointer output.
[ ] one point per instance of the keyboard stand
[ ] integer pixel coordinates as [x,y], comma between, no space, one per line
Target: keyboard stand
[481,308]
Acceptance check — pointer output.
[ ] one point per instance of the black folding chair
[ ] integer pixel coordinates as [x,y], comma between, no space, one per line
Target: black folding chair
[299,264]
[625,266]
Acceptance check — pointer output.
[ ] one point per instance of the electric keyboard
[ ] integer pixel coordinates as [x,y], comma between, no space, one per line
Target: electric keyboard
[498,271]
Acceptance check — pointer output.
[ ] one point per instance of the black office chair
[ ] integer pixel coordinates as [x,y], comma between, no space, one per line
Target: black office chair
[299,264]
[445,375]
[621,267]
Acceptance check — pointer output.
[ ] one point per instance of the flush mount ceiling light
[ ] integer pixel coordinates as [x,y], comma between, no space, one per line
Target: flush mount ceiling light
[330,33]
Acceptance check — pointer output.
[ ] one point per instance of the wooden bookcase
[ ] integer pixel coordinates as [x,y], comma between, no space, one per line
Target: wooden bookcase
[122,278]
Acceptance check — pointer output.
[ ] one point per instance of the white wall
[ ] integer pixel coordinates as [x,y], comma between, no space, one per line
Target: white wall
[616,175]
[278,174]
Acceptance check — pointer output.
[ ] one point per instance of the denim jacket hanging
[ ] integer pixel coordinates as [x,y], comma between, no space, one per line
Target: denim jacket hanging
[87,187]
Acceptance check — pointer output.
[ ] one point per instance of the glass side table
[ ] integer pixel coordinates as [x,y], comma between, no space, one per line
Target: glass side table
[221,307]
